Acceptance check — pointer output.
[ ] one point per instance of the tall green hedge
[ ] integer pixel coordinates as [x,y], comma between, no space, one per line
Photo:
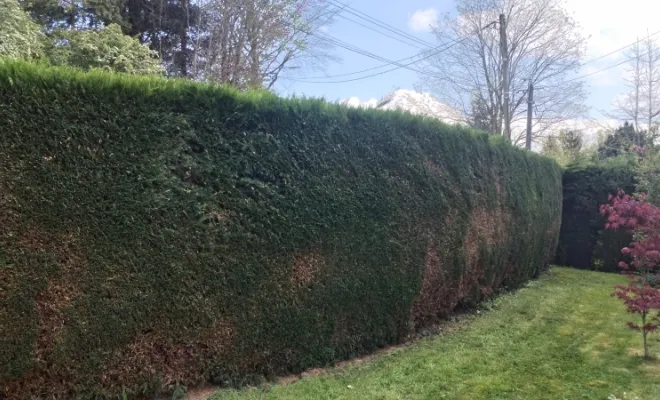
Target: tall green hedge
[158,232]
[583,241]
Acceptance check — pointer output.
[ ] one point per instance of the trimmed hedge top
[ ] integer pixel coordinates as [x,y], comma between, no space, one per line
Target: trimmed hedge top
[159,232]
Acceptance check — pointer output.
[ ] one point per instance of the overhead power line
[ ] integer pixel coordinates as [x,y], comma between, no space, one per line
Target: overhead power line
[345,45]
[617,50]
[366,17]
[607,55]
[358,50]
[398,39]
[399,63]
[433,52]
[394,62]
[398,66]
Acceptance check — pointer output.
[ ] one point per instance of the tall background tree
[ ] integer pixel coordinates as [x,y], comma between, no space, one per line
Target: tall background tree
[571,143]
[251,43]
[567,147]
[544,46]
[640,104]
[623,141]
[164,25]
[20,37]
[479,117]
[246,43]
[106,48]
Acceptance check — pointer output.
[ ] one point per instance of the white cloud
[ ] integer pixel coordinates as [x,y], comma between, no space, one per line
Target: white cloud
[611,25]
[423,20]
[371,103]
[356,102]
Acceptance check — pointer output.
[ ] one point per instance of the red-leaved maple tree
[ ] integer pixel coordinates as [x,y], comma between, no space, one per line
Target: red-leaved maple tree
[642,295]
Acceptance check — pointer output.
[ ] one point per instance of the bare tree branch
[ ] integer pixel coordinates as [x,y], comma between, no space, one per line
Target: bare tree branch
[545,46]
[641,103]
[254,43]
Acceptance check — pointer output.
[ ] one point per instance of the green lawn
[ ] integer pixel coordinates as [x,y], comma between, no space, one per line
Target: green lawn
[562,337]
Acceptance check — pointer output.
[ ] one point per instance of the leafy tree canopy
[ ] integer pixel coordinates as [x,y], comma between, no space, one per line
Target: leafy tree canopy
[20,37]
[107,49]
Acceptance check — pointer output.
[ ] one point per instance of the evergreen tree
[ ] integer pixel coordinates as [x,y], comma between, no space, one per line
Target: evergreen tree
[480,118]
[571,144]
[621,142]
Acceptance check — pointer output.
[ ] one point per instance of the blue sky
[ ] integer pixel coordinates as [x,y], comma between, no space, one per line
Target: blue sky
[608,29]
[393,12]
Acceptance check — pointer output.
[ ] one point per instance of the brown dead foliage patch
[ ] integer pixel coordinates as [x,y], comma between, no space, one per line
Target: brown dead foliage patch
[8,275]
[488,226]
[217,215]
[306,267]
[8,213]
[435,169]
[152,354]
[39,384]
[175,360]
[440,293]
[551,238]
[33,239]
[435,295]
[60,291]
[9,225]
[218,338]
[50,305]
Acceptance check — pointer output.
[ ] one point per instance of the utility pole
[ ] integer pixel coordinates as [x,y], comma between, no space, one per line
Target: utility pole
[504,51]
[530,104]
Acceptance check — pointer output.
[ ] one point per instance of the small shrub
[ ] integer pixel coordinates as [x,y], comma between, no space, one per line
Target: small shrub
[642,295]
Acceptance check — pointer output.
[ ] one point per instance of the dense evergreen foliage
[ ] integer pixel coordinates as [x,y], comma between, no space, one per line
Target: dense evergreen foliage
[623,141]
[158,232]
[583,242]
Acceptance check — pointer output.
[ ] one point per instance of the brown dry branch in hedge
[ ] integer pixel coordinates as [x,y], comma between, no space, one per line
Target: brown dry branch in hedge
[306,267]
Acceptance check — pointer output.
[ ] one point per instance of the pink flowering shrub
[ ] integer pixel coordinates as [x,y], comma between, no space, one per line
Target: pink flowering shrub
[642,295]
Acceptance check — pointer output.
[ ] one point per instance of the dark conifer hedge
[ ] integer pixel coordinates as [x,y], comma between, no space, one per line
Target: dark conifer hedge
[158,232]
[583,241]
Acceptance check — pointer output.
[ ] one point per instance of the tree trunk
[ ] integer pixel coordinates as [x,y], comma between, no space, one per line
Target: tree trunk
[183,57]
[651,68]
[644,333]
[253,32]
[637,95]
